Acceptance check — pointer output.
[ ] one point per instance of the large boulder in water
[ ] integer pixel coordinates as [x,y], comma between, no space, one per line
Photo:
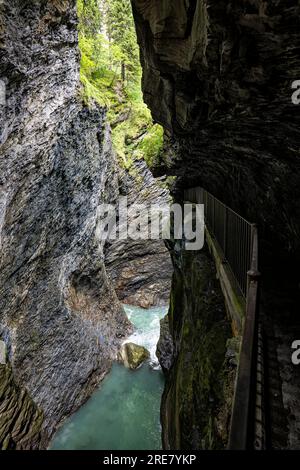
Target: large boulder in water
[133,355]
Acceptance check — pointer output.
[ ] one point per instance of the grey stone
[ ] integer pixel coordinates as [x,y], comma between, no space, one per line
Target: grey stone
[141,270]
[3,352]
[218,77]
[62,319]
[56,167]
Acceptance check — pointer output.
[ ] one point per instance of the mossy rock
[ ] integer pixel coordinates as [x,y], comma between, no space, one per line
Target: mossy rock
[133,355]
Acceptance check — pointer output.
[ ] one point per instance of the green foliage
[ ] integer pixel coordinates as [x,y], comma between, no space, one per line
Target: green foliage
[151,146]
[121,31]
[126,134]
[111,75]
[90,17]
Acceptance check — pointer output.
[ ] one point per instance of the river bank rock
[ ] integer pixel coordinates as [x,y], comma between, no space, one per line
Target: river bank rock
[219,77]
[21,428]
[192,352]
[132,355]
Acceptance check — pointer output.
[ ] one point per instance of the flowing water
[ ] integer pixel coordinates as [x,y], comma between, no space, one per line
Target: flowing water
[124,412]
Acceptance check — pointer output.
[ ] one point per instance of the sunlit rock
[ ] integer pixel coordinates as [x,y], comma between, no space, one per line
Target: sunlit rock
[133,355]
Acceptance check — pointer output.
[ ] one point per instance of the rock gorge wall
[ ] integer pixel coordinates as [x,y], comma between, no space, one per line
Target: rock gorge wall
[21,420]
[195,356]
[218,76]
[60,317]
[140,270]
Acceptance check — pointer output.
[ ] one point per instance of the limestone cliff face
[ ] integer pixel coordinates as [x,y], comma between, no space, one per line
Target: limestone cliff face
[218,77]
[140,270]
[60,317]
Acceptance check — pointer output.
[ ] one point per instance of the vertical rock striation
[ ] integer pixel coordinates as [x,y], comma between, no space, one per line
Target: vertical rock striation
[60,317]
[141,270]
[21,420]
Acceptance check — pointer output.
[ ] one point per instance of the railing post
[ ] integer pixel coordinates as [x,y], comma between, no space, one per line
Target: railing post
[225,232]
[213,216]
[253,274]
[242,428]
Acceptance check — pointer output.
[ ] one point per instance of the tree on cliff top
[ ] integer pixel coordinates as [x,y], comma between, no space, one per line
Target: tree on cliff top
[120,27]
[111,74]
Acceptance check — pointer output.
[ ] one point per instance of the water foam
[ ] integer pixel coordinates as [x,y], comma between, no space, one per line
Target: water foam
[147,328]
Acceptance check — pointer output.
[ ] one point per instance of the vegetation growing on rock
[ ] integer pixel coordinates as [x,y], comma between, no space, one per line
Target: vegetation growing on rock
[111,75]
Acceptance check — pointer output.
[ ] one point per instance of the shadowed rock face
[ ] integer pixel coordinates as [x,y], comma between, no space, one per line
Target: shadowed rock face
[60,317]
[218,76]
[197,398]
[219,80]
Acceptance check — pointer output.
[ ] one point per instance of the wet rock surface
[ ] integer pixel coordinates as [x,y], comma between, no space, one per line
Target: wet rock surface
[165,345]
[219,78]
[61,320]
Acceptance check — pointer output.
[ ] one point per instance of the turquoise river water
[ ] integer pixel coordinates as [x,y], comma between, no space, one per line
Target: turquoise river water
[124,412]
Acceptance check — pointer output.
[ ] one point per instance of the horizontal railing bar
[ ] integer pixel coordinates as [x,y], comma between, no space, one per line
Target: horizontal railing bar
[238,240]
[224,205]
[242,419]
[232,232]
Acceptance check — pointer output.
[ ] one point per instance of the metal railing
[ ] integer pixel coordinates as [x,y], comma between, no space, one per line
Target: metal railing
[238,240]
[245,411]
[233,233]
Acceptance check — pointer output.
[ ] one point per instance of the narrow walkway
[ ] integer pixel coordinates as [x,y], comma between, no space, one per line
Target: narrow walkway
[290,376]
[282,327]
